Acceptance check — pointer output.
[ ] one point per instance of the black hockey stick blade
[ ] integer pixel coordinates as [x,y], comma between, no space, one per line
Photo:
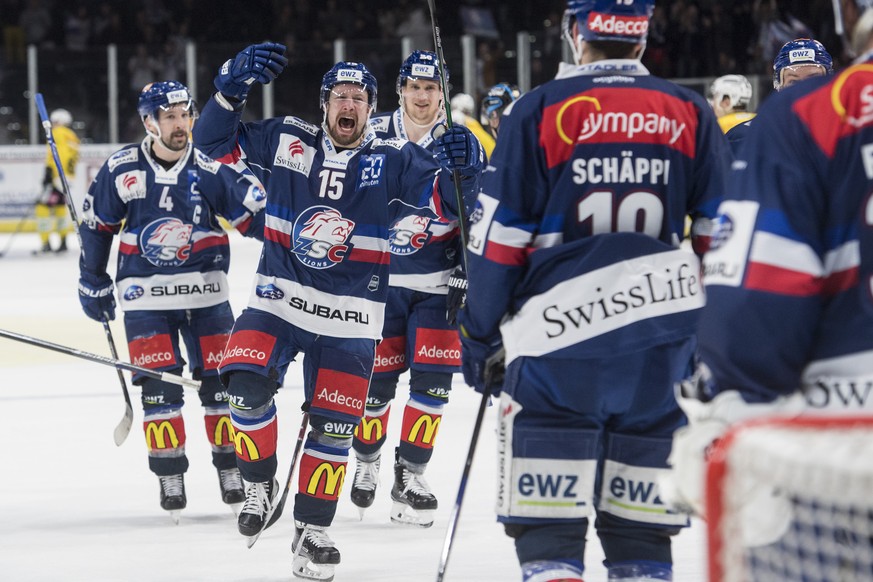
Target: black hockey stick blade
[280,506]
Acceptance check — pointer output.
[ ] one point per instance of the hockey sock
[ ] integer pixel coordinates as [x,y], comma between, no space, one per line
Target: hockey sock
[421,421]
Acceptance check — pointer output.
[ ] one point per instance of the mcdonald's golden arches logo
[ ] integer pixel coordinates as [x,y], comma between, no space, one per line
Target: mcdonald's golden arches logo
[428,426]
[370,429]
[159,433]
[245,446]
[333,475]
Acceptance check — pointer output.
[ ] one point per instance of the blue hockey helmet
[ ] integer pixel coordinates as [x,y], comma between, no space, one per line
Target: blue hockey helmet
[163,95]
[349,72]
[801,52]
[497,99]
[626,21]
[424,65]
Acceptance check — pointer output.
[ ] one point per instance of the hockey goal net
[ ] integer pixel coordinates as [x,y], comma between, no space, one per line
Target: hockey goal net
[792,500]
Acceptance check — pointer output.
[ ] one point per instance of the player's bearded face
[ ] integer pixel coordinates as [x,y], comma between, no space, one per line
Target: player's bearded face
[348,113]
[175,126]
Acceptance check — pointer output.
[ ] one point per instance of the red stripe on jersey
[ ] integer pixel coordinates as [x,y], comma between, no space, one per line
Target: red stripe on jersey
[840,281]
[368,256]
[211,241]
[505,255]
[435,196]
[128,249]
[277,236]
[611,115]
[231,158]
[838,109]
[447,236]
[763,277]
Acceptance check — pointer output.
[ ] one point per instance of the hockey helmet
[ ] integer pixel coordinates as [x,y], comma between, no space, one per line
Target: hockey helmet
[424,65]
[349,72]
[61,117]
[163,95]
[626,21]
[497,99]
[801,52]
[736,88]
[464,103]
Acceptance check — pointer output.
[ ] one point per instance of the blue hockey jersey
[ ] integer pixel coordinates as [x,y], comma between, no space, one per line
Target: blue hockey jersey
[173,253]
[574,242]
[788,277]
[423,251]
[326,252]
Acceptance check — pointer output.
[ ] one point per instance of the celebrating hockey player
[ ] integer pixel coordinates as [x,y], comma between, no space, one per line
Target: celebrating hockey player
[163,199]
[417,336]
[576,271]
[797,60]
[792,260]
[322,282]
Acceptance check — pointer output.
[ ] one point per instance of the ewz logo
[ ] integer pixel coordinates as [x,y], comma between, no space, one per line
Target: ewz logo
[320,237]
[548,486]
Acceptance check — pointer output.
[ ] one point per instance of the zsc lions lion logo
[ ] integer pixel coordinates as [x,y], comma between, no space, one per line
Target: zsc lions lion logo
[320,237]
[166,242]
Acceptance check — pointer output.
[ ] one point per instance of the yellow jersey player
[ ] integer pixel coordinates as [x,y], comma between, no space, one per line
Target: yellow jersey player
[51,210]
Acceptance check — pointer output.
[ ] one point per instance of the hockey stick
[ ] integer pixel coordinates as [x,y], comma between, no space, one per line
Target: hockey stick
[118,364]
[490,379]
[123,428]
[456,176]
[277,512]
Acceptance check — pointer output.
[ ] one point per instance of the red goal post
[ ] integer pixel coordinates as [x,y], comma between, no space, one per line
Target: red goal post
[791,500]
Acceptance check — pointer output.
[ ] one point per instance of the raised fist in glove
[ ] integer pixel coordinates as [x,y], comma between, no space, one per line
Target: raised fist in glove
[97,296]
[458,149]
[482,363]
[257,63]
[457,294]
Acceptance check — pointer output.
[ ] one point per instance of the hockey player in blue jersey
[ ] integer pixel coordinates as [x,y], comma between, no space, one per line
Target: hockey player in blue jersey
[163,199]
[799,59]
[333,192]
[576,270]
[417,335]
[788,324]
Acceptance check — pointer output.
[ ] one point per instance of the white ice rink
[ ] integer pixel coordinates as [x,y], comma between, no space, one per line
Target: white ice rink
[74,507]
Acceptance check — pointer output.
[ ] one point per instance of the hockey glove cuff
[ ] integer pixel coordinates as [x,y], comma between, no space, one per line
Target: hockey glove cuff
[97,296]
[457,296]
[257,63]
[483,364]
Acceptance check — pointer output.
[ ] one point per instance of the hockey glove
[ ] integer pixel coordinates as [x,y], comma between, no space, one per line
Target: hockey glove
[457,296]
[483,364]
[257,63]
[458,149]
[97,296]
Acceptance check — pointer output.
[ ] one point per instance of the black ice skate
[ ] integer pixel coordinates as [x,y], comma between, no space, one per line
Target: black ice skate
[173,497]
[414,504]
[259,511]
[232,491]
[365,482]
[315,556]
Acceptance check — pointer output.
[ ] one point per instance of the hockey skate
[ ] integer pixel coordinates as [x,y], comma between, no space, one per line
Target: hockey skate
[259,511]
[414,504]
[365,482]
[173,497]
[232,491]
[315,556]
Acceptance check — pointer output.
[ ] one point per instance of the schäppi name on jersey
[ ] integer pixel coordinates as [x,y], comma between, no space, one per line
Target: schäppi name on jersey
[329,312]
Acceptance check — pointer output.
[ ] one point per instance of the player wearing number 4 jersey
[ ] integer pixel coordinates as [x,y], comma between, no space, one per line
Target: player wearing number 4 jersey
[322,282]
[576,270]
[163,199]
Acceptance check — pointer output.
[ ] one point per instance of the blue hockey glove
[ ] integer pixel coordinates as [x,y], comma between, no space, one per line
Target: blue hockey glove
[458,149]
[97,296]
[257,63]
[457,296]
[483,364]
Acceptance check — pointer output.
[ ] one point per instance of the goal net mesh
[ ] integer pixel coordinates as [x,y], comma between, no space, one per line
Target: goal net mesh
[792,500]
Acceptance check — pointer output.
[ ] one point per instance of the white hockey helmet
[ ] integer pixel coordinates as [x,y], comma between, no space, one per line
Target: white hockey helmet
[61,117]
[464,103]
[736,88]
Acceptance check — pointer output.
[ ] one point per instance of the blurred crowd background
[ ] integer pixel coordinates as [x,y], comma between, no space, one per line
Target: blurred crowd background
[688,39]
